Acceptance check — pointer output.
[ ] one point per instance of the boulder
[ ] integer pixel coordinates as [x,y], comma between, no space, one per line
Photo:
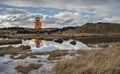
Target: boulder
[73,42]
[58,41]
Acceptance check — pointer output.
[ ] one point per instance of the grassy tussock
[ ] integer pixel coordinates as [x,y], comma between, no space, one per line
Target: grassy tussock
[26,69]
[104,61]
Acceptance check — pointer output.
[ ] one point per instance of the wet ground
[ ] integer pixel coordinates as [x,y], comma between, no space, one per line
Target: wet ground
[43,45]
[7,64]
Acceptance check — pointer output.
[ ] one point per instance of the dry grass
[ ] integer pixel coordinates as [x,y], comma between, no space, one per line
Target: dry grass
[24,55]
[84,52]
[103,45]
[96,28]
[33,56]
[10,41]
[26,69]
[13,50]
[53,55]
[40,53]
[104,61]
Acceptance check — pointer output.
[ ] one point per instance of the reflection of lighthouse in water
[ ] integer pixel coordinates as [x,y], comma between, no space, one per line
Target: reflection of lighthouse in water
[37,42]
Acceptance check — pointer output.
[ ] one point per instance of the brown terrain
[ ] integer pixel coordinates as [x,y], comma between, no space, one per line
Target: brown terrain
[88,33]
[102,60]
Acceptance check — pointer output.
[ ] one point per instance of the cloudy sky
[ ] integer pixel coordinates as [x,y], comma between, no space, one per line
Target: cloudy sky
[58,13]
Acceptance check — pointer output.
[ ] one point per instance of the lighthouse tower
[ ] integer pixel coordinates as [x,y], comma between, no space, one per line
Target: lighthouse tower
[37,23]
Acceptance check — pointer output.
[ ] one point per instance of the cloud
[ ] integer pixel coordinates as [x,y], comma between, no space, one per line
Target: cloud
[102,8]
[112,19]
[85,11]
[59,3]
[71,18]
[24,19]
[80,5]
[12,11]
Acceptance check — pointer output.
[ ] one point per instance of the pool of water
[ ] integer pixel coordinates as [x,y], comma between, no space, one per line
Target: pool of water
[7,65]
[44,45]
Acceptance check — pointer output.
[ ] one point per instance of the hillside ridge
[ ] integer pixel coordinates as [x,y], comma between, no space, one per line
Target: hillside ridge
[99,27]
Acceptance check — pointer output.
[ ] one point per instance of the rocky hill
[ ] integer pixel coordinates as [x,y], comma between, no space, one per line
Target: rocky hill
[96,28]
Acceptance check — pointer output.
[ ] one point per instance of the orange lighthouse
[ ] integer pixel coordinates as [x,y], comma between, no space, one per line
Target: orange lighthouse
[37,23]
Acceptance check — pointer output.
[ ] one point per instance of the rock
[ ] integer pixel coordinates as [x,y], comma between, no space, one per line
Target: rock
[73,42]
[58,41]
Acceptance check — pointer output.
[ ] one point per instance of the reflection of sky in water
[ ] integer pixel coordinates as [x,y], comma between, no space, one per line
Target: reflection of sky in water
[3,67]
[37,45]
[43,45]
